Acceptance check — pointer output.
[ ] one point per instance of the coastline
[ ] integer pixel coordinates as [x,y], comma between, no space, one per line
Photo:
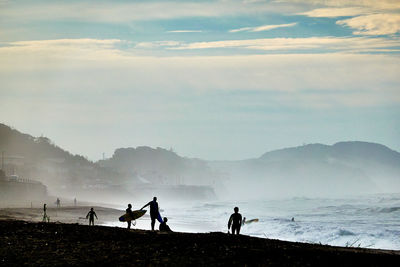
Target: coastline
[56,244]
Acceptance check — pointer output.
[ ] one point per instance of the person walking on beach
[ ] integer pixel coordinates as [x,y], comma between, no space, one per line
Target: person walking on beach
[45,217]
[164,227]
[236,221]
[129,211]
[91,214]
[153,211]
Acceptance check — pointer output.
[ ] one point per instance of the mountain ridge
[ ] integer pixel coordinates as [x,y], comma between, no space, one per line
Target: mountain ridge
[348,166]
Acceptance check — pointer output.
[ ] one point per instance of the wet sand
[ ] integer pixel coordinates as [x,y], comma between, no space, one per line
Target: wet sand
[68,214]
[57,244]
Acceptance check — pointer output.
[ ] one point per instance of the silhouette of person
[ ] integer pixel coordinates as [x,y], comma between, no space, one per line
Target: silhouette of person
[130,212]
[164,227]
[153,211]
[236,221]
[75,202]
[45,217]
[58,202]
[91,214]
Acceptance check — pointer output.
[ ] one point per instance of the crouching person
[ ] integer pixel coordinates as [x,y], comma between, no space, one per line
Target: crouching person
[164,227]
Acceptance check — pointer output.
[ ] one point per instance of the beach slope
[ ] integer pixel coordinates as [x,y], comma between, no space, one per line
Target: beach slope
[55,244]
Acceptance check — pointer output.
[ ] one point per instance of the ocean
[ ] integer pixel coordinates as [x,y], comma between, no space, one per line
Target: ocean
[371,221]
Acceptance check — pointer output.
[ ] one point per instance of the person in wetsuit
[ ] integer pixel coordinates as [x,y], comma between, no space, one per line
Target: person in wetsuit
[91,214]
[236,221]
[129,211]
[164,227]
[153,211]
[45,217]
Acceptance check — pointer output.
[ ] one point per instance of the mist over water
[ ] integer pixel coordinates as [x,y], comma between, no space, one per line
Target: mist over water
[369,221]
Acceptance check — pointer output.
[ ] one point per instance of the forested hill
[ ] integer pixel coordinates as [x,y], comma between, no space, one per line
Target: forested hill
[160,166]
[39,159]
[343,151]
[344,168]
[34,149]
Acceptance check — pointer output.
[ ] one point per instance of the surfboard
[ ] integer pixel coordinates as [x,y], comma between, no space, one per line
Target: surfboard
[159,219]
[136,215]
[250,221]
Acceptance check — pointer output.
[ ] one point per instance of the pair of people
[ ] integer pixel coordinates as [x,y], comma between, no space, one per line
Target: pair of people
[154,214]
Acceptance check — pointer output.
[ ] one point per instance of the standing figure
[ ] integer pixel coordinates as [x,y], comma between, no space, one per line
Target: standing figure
[91,214]
[129,211]
[45,217]
[75,202]
[236,221]
[58,202]
[153,211]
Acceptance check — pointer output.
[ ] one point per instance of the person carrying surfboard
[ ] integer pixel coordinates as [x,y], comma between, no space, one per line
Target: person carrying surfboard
[154,212]
[236,221]
[130,213]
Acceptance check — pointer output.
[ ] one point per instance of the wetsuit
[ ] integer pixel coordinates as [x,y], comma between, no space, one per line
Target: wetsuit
[164,227]
[91,215]
[236,221]
[45,217]
[153,212]
[129,211]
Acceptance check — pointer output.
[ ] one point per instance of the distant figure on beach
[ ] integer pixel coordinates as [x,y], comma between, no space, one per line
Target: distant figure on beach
[236,221]
[91,214]
[164,227]
[153,211]
[75,202]
[58,202]
[129,211]
[292,219]
[45,217]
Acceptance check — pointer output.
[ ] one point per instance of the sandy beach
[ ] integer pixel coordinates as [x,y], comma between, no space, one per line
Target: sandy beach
[68,214]
[64,241]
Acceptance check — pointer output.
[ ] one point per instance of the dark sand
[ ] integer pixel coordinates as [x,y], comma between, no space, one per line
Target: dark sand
[55,244]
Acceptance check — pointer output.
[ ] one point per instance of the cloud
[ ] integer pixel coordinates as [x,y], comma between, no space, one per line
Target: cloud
[61,48]
[184,31]
[264,27]
[375,24]
[157,44]
[115,49]
[123,11]
[372,4]
[316,44]
[368,17]
[335,12]
[113,73]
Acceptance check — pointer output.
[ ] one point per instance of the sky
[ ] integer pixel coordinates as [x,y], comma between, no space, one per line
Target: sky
[228,79]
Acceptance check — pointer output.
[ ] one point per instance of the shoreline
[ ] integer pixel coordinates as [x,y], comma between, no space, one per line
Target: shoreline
[108,216]
[49,244]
